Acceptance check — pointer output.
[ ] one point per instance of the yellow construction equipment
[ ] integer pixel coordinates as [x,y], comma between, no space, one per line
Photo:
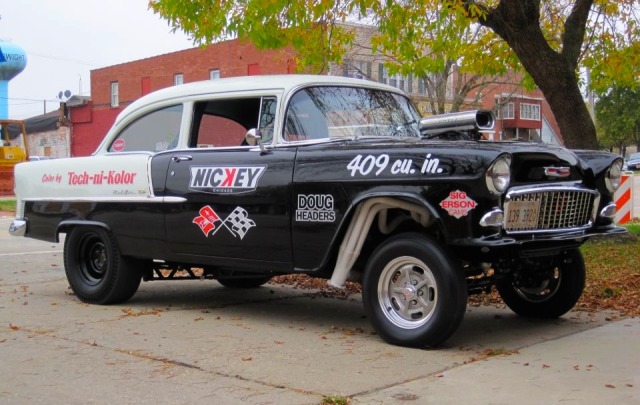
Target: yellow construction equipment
[12,152]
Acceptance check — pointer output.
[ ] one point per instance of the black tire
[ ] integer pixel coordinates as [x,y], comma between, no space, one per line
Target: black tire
[244,282]
[96,271]
[412,292]
[547,292]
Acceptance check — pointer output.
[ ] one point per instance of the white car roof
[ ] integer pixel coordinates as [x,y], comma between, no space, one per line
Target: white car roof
[285,83]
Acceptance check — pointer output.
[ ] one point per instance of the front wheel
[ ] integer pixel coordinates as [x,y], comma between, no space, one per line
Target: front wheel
[412,292]
[548,290]
[96,271]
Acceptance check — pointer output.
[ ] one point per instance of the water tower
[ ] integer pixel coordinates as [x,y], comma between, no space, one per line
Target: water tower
[12,61]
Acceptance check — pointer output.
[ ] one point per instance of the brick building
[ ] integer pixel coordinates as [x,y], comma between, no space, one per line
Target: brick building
[525,116]
[115,87]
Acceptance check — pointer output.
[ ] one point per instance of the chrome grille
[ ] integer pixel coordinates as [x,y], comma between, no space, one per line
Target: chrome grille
[549,210]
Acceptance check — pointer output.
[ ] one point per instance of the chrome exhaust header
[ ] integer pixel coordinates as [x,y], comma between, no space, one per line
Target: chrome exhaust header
[476,120]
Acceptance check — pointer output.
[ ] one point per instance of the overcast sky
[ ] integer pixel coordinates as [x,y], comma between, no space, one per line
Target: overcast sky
[65,39]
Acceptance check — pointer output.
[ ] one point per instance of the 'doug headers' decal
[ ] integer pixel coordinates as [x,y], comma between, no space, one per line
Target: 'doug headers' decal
[225,179]
[238,222]
[458,204]
[315,208]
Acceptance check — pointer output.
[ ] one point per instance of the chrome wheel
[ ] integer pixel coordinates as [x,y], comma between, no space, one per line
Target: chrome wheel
[407,292]
[413,293]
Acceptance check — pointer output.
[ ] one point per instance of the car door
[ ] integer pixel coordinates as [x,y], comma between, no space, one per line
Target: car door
[238,199]
[237,206]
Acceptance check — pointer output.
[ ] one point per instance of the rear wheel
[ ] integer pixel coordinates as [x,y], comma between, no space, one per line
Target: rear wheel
[548,290]
[95,269]
[412,292]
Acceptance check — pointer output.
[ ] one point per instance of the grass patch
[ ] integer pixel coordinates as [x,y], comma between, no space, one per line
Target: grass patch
[8,205]
[633,227]
[335,400]
[613,273]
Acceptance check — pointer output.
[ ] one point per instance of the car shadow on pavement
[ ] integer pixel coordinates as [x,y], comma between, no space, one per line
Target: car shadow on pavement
[482,327]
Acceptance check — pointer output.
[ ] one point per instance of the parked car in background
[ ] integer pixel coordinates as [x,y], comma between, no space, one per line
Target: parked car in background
[633,163]
[241,179]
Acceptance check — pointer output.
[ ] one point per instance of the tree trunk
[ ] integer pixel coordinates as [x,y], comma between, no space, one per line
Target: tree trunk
[518,23]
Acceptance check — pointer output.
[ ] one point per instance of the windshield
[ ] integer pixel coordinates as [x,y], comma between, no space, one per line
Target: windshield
[322,112]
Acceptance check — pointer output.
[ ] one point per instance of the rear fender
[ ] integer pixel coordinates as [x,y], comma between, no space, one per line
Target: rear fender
[67,226]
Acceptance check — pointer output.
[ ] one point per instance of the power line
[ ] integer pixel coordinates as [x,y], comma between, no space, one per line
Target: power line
[28,103]
[39,100]
[61,59]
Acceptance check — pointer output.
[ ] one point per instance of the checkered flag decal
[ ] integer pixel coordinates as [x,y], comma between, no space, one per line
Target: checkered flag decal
[239,222]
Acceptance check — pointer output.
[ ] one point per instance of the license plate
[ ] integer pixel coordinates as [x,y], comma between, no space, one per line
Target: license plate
[523,214]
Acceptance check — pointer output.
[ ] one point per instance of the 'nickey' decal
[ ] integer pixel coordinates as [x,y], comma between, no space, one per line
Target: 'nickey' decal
[225,179]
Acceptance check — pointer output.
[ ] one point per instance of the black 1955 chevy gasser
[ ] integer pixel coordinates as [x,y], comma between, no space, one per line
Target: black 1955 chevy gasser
[242,179]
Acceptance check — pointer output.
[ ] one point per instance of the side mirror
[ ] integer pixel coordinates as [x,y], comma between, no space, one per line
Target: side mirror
[253,138]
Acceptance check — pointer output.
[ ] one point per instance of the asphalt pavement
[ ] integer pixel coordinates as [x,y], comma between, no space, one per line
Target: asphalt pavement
[197,342]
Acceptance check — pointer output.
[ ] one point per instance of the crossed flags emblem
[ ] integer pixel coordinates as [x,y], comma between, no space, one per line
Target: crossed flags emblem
[238,222]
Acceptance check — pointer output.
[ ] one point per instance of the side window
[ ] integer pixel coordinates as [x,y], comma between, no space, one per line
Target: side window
[304,119]
[225,122]
[154,132]
[267,118]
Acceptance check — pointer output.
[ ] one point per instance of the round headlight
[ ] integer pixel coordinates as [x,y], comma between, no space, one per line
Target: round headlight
[614,175]
[499,175]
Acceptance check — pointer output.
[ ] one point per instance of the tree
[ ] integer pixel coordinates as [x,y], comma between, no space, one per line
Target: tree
[442,49]
[618,115]
[550,39]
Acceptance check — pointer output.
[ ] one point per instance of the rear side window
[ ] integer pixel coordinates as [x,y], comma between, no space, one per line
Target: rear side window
[154,132]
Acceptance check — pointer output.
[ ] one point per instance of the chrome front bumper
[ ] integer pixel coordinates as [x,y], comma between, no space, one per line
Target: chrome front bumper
[18,227]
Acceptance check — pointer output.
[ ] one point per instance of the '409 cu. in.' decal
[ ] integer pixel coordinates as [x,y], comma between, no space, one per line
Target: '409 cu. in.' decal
[365,165]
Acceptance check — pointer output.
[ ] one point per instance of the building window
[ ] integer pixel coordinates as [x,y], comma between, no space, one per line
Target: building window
[214,74]
[253,69]
[508,111]
[422,87]
[115,94]
[358,69]
[291,66]
[145,85]
[178,79]
[530,111]
[396,80]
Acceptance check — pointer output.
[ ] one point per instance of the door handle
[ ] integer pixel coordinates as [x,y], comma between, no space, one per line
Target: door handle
[181,158]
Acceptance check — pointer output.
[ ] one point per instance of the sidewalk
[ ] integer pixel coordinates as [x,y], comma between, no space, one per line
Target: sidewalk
[596,366]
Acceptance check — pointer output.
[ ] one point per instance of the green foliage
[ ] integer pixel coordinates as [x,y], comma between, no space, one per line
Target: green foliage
[431,38]
[618,115]
[633,228]
[310,27]
[8,205]
[419,35]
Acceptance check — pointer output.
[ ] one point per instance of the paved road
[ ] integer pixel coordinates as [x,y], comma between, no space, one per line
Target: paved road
[196,342]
